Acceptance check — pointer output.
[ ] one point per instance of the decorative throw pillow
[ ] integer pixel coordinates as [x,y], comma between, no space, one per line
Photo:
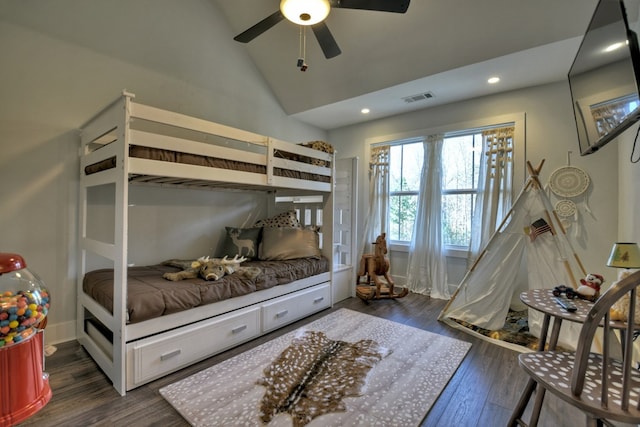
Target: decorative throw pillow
[285,219]
[289,243]
[320,146]
[241,242]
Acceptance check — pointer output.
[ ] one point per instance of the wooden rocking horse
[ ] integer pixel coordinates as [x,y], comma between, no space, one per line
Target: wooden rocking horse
[374,267]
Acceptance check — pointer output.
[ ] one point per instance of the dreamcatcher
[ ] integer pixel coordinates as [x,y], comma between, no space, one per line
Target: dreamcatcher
[569,182]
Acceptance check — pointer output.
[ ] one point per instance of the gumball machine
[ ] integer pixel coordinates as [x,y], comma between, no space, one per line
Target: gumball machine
[24,303]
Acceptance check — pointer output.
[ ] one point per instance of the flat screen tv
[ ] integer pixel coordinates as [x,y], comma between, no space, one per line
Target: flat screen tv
[604,77]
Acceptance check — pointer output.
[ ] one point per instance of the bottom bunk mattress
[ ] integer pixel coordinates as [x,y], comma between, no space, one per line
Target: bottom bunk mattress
[151,296]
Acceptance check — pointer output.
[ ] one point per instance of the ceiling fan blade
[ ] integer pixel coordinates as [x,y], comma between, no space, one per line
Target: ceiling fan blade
[396,6]
[326,40]
[262,26]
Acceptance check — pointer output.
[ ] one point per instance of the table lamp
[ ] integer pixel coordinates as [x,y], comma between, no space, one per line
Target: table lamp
[624,255]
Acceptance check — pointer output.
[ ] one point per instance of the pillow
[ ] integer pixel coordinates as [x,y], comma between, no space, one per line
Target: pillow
[285,219]
[280,244]
[320,146]
[241,242]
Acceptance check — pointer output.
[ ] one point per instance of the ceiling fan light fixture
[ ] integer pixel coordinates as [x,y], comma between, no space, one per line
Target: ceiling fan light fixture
[305,12]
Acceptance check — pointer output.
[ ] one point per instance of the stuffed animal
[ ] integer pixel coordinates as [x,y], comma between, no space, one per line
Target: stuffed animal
[620,309]
[589,288]
[209,268]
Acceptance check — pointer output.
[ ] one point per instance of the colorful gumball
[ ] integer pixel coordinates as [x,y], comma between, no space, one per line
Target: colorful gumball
[24,300]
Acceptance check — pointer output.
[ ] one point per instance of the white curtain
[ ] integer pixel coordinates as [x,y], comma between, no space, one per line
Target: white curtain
[495,187]
[427,268]
[375,222]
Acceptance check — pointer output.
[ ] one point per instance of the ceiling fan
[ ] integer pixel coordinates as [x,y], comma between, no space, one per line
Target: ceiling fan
[313,12]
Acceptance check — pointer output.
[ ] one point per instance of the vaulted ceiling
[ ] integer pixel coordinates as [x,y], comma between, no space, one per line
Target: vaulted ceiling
[448,48]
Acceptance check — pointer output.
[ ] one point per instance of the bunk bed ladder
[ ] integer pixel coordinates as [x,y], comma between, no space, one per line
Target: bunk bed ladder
[114,122]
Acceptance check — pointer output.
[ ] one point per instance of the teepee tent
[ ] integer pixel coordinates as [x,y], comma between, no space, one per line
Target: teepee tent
[529,250]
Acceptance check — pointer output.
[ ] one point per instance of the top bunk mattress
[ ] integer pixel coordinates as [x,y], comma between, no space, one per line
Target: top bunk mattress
[151,296]
[170,156]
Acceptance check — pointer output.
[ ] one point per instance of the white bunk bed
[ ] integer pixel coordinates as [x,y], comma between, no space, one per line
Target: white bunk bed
[132,354]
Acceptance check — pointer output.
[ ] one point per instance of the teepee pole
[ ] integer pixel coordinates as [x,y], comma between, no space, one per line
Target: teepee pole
[575,255]
[533,173]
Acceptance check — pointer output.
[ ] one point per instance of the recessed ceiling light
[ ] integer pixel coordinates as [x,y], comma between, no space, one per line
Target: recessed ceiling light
[493,80]
[365,111]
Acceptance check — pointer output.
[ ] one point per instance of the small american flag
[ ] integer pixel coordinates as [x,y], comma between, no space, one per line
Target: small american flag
[537,228]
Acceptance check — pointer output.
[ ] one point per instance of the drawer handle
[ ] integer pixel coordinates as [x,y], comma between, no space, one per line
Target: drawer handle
[282,313]
[170,355]
[317,300]
[238,329]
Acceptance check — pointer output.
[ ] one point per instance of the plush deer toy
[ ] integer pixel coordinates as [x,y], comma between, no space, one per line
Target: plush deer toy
[209,268]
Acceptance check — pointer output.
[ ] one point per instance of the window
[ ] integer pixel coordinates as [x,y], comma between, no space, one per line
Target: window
[405,168]
[460,166]
[460,173]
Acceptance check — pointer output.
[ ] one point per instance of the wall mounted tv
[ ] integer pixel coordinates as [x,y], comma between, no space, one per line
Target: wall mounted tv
[604,78]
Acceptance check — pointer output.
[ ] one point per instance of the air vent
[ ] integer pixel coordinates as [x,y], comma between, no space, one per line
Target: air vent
[418,97]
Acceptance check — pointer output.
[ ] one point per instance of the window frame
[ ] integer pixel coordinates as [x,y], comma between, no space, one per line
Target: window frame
[391,193]
[458,249]
[518,120]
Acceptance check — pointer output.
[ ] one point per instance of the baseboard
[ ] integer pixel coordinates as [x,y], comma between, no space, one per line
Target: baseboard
[55,333]
[453,287]
[399,280]
[402,281]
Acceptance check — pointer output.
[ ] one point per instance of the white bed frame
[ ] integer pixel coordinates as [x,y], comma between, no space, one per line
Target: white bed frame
[141,352]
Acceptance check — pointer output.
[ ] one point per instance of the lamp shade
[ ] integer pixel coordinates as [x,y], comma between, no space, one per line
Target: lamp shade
[305,12]
[624,255]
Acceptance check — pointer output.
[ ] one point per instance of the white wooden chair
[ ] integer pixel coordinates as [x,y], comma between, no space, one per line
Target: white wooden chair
[604,388]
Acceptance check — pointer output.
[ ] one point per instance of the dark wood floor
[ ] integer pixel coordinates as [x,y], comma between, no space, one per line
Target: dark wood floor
[482,393]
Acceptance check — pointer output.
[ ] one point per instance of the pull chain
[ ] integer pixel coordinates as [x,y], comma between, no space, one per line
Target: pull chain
[302,48]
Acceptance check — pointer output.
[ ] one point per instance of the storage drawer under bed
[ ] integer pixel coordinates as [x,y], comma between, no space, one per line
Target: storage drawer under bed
[159,355]
[290,308]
